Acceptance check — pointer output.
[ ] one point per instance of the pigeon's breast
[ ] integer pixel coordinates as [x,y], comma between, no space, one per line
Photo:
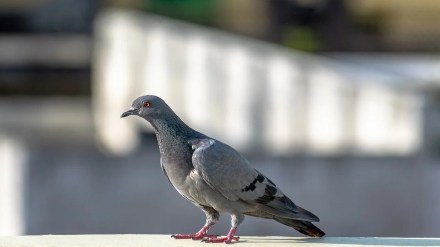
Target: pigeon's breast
[176,168]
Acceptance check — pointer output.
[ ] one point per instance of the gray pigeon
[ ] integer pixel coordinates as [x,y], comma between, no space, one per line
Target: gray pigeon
[215,177]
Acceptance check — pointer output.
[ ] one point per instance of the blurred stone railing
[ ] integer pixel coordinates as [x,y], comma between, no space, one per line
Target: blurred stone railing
[165,240]
[13,168]
[251,94]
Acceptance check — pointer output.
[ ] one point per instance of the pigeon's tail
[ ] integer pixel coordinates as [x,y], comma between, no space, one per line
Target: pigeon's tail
[301,226]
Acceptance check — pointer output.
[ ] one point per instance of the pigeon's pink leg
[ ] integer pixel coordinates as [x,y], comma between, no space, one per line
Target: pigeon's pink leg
[211,218]
[228,239]
[197,236]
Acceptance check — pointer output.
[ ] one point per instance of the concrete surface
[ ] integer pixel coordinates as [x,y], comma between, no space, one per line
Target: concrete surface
[166,240]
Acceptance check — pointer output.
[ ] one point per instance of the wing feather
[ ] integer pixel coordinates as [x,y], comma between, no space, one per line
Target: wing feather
[229,173]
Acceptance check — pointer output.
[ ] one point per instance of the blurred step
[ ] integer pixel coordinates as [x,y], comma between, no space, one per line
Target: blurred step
[45,64]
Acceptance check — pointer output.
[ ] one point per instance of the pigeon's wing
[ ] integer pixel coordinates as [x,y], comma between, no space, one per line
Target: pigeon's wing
[230,174]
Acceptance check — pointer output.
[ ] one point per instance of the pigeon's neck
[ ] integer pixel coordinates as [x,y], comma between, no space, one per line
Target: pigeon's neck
[172,133]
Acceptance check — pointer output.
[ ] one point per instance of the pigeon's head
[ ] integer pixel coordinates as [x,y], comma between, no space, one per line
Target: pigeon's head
[148,107]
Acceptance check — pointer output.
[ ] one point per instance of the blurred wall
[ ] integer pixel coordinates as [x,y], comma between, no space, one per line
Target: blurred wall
[265,97]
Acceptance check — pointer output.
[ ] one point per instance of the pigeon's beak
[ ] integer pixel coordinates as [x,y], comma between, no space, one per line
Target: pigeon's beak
[131,111]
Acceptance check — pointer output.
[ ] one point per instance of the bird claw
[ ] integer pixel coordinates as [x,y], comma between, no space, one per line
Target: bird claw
[203,237]
[196,236]
[187,236]
[217,239]
[227,239]
[183,236]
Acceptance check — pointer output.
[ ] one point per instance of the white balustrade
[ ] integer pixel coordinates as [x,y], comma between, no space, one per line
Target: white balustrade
[250,94]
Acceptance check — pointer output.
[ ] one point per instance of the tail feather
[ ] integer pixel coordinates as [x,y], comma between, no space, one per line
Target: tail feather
[303,227]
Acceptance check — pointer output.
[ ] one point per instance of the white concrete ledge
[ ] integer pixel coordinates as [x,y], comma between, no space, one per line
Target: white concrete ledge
[166,240]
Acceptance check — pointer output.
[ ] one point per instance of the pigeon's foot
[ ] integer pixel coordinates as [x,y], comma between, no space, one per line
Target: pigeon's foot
[196,236]
[227,240]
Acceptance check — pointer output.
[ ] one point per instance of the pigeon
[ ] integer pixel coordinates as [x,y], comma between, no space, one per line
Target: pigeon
[215,177]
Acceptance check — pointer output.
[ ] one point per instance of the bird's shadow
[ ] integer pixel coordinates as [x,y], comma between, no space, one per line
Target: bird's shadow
[347,240]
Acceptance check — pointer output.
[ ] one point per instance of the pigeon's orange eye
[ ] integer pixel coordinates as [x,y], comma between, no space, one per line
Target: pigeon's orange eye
[146,104]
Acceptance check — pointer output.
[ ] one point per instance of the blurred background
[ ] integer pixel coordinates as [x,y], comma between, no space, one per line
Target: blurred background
[337,101]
